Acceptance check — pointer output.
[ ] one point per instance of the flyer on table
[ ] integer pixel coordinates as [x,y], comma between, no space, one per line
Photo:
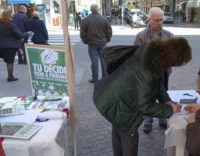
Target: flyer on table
[47,68]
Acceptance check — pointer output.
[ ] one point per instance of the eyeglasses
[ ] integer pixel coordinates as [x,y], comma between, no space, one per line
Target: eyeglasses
[157,20]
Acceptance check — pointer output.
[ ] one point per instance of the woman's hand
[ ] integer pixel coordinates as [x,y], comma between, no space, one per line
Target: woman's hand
[175,106]
[191,118]
[192,108]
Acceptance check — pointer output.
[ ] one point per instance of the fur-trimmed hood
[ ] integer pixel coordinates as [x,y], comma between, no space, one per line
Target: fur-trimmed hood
[151,60]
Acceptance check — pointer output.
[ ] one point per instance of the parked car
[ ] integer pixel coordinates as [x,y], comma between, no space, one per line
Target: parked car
[168,18]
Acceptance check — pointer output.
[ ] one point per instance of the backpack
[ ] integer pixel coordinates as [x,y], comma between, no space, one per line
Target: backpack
[114,56]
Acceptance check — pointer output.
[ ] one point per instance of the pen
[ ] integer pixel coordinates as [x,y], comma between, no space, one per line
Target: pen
[174,102]
[41,120]
[194,101]
[185,119]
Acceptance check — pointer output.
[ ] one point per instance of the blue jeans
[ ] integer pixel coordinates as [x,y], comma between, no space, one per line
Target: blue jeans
[149,120]
[95,53]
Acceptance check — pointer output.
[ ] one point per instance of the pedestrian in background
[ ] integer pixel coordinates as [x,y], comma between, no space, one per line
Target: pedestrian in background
[21,21]
[134,18]
[39,29]
[77,20]
[183,17]
[154,30]
[192,15]
[115,14]
[10,41]
[96,32]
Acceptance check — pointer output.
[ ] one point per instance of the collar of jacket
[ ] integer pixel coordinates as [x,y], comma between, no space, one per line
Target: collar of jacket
[21,12]
[35,17]
[93,13]
[149,31]
[151,60]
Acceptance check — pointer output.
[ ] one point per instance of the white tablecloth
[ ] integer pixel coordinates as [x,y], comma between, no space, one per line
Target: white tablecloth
[175,134]
[51,140]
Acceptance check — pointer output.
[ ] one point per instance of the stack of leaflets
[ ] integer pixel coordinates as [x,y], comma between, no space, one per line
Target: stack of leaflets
[18,130]
[11,108]
[17,105]
[47,103]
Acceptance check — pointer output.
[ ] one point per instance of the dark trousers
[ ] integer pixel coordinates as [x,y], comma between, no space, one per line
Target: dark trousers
[22,57]
[124,144]
[76,24]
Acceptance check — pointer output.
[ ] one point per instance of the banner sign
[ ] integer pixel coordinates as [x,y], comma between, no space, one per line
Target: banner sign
[47,69]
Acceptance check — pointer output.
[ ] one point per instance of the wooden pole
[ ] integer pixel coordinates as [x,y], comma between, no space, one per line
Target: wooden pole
[71,73]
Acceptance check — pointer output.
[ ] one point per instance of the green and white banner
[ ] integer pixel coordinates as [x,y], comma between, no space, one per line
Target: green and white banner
[47,68]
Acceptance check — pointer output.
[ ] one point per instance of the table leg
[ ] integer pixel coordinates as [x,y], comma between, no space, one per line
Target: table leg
[170,151]
[180,151]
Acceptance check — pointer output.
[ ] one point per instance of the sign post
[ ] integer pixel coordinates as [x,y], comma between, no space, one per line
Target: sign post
[71,68]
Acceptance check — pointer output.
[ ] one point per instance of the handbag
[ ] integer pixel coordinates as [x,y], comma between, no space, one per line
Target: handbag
[114,56]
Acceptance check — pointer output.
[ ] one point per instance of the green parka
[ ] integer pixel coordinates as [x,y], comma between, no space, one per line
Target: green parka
[127,95]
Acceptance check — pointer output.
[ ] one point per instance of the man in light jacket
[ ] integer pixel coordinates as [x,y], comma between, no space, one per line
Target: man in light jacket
[95,32]
[154,30]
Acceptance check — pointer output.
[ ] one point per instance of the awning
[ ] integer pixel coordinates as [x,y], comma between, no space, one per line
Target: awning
[193,3]
[21,1]
[181,3]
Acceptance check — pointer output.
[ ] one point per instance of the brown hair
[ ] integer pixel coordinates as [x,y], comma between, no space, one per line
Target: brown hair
[173,51]
[6,17]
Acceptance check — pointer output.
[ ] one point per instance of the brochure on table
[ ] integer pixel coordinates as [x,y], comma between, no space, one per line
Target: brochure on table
[17,105]
[18,130]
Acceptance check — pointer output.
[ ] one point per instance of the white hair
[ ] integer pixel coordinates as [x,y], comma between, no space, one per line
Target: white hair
[155,10]
[94,8]
[36,14]
[22,8]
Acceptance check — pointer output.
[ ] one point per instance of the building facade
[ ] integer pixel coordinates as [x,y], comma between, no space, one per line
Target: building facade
[51,9]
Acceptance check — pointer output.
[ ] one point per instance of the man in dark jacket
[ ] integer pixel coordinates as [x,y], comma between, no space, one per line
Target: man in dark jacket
[38,27]
[130,92]
[154,30]
[95,32]
[21,21]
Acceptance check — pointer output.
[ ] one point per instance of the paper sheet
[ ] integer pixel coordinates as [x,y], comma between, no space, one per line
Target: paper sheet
[29,117]
[51,115]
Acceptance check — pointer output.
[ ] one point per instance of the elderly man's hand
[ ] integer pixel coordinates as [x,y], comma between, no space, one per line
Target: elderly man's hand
[192,108]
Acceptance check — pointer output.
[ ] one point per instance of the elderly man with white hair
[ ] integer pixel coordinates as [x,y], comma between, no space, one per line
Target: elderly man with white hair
[95,32]
[154,30]
[21,20]
[38,27]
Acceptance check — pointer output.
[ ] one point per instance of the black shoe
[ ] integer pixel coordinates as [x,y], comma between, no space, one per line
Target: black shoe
[147,128]
[92,81]
[12,79]
[163,125]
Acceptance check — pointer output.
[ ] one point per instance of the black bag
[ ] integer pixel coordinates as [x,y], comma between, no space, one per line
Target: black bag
[114,56]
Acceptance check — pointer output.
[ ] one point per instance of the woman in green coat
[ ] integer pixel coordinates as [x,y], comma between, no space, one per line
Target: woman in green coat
[131,92]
